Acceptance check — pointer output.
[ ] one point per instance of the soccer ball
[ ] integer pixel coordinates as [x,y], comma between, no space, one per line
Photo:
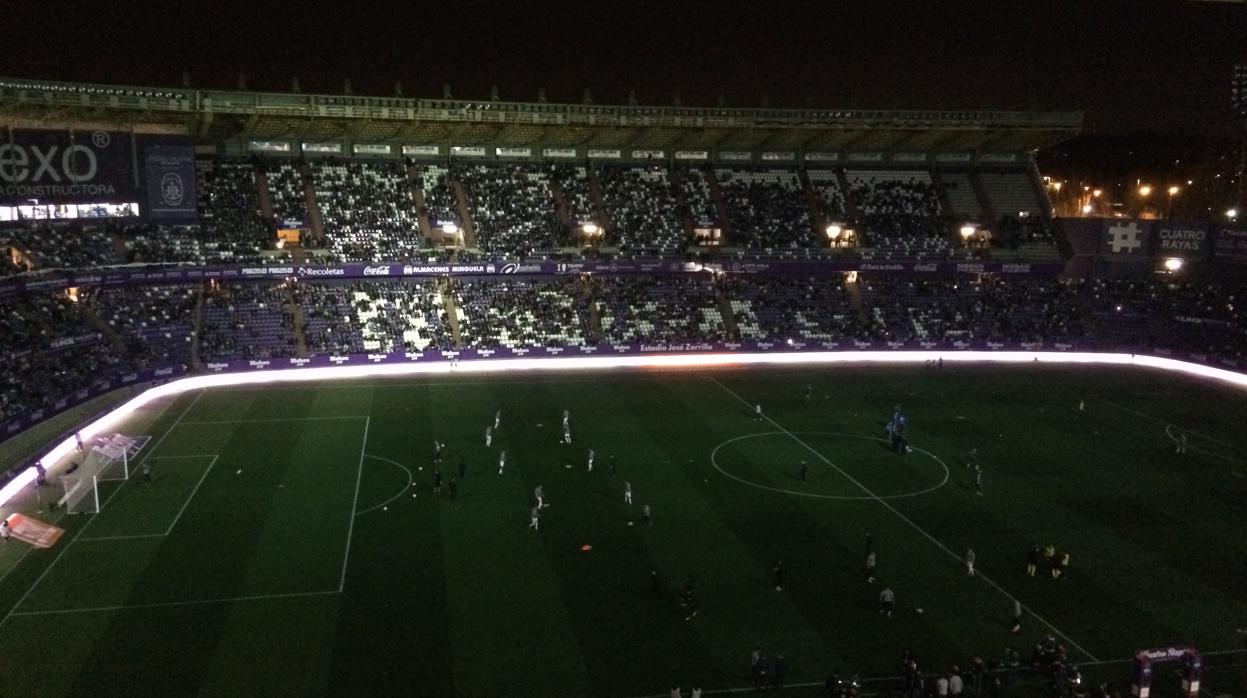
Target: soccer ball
[629,523]
[919,610]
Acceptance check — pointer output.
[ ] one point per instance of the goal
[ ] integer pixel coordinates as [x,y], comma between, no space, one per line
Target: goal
[106,460]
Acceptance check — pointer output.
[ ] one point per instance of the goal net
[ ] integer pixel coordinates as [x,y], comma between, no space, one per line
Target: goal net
[107,459]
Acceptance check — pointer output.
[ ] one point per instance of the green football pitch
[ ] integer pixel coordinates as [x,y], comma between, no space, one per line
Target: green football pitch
[290,542]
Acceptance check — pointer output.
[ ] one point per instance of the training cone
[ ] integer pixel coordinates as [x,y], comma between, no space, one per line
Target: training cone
[586,548]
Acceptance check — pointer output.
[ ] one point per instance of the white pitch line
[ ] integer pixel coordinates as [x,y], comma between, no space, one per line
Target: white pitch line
[276,419]
[172,604]
[1168,423]
[350,531]
[401,492]
[87,525]
[192,495]
[135,536]
[902,517]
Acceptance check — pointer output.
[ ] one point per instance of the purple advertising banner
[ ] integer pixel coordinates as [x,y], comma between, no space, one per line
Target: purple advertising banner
[66,167]
[160,275]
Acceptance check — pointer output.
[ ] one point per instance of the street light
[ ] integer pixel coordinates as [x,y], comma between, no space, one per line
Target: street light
[1145,190]
[1173,264]
[1086,209]
[1169,206]
[1231,213]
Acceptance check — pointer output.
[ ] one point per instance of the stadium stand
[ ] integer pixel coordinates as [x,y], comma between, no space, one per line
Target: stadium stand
[572,181]
[368,210]
[249,321]
[766,208]
[780,307]
[229,211]
[68,246]
[643,209]
[146,243]
[900,212]
[699,207]
[830,197]
[285,190]
[439,200]
[511,207]
[659,309]
[523,312]
[1011,193]
[377,317]
[49,349]
[961,196]
[156,323]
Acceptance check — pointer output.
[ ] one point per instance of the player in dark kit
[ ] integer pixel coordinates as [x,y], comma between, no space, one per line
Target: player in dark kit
[437,483]
[779,576]
[1033,559]
[805,470]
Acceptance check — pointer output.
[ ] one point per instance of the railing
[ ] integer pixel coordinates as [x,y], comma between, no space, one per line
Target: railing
[51,93]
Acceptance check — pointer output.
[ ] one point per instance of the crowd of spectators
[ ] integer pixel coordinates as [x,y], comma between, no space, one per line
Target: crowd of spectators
[49,349]
[381,316]
[900,213]
[830,197]
[439,196]
[966,309]
[572,181]
[797,308]
[659,309]
[511,206]
[51,346]
[156,323]
[644,213]
[229,210]
[698,205]
[247,321]
[523,312]
[67,246]
[368,211]
[286,191]
[767,208]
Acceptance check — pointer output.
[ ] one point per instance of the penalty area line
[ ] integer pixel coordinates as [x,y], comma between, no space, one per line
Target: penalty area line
[902,517]
[174,604]
[350,531]
[87,525]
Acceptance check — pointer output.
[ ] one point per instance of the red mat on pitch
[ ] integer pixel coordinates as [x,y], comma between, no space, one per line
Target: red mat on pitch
[34,531]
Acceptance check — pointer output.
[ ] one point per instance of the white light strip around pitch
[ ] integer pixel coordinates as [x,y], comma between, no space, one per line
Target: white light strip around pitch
[301,375]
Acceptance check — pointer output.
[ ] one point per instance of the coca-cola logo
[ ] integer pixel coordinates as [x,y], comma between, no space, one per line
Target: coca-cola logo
[376,271]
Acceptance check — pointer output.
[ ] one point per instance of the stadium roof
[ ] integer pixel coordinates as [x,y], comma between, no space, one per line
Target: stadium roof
[224,115]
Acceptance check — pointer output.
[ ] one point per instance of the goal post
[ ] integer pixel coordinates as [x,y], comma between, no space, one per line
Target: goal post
[107,460]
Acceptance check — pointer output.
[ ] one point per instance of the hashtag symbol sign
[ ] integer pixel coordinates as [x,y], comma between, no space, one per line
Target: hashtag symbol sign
[1124,239]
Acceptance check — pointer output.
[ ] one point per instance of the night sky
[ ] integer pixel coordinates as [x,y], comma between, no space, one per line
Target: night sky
[1140,64]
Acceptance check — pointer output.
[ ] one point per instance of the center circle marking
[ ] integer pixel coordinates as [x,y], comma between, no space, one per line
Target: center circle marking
[714,461]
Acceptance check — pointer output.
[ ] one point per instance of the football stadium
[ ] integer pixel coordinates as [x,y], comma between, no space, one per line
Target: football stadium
[330,394]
